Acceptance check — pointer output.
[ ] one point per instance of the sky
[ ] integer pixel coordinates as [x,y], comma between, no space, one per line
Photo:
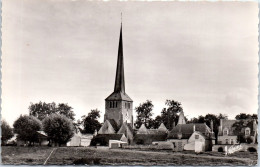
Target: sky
[202,54]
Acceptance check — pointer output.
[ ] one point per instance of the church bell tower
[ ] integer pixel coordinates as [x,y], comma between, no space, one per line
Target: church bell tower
[118,105]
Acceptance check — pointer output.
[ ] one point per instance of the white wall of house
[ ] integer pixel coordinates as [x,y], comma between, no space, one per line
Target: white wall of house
[227,139]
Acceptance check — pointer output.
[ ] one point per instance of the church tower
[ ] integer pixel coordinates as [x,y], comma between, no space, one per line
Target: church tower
[118,105]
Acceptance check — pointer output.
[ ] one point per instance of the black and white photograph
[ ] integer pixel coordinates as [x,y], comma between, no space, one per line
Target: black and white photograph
[129,83]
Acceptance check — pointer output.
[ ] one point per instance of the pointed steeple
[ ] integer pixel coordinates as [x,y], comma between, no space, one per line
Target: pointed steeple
[120,78]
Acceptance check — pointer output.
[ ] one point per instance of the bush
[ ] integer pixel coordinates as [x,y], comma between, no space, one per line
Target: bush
[252,149]
[88,161]
[140,141]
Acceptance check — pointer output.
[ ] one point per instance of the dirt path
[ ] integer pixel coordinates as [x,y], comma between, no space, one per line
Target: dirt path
[49,156]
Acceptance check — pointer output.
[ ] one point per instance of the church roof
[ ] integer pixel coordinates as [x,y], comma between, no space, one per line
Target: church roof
[113,123]
[119,88]
[119,96]
[124,127]
[120,78]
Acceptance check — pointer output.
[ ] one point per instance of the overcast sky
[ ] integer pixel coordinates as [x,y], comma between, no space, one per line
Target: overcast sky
[202,54]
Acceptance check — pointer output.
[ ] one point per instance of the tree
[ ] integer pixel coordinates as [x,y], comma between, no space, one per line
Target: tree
[157,122]
[246,116]
[169,116]
[7,132]
[66,110]
[26,128]
[144,114]
[42,109]
[90,122]
[59,128]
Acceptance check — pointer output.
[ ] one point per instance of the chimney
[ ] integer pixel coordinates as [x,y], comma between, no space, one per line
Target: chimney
[211,125]
[254,125]
[221,124]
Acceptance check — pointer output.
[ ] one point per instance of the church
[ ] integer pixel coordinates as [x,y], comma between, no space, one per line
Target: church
[118,120]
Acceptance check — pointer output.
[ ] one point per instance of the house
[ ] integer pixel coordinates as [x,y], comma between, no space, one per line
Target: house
[198,142]
[227,136]
[86,139]
[186,136]
[75,140]
[226,133]
[80,139]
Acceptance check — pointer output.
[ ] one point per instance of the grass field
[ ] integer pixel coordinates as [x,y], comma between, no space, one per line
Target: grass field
[102,156]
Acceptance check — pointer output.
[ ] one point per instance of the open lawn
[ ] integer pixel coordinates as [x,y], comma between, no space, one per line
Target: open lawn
[105,156]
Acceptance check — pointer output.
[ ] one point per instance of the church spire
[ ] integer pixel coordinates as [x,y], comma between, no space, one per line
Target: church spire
[120,78]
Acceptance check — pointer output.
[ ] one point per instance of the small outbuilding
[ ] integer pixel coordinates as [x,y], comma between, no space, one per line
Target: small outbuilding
[42,138]
[116,144]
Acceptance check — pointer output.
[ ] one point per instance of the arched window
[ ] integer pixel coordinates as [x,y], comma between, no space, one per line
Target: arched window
[232,141]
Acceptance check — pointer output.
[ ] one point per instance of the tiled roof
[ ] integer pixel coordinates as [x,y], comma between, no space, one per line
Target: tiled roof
[152,137]
[187,130]
[155,131]
[119,96]
[228,123]
[114,124]
[108,137]
[42,133]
